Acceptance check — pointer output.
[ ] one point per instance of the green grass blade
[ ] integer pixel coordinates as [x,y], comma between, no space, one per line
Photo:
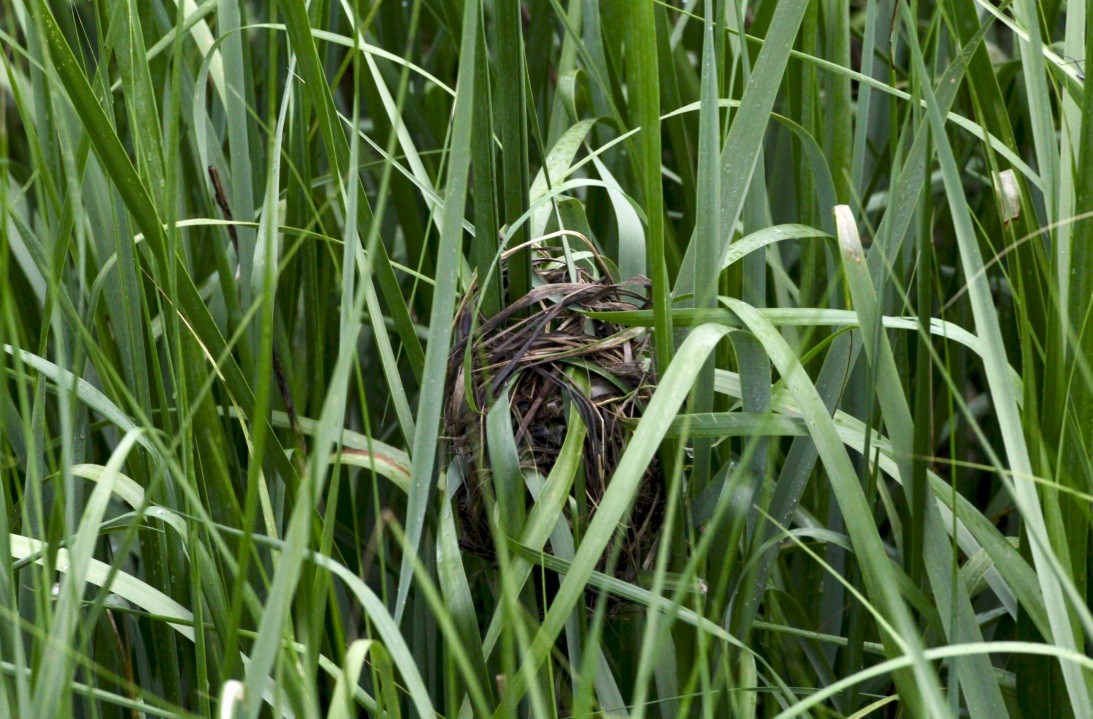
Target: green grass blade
[1005,401]
[954,604]
[440,320]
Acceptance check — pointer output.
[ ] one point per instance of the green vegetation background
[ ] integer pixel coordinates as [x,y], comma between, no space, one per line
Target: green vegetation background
[866,223]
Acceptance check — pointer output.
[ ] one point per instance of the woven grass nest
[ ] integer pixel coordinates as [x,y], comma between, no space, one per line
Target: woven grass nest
[529,347]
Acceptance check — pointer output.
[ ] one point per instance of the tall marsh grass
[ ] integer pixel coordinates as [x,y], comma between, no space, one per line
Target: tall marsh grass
[233,240]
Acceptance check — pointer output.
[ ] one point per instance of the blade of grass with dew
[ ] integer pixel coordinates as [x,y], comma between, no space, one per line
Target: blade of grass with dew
[1075,310]
[259,285]
[1066,400]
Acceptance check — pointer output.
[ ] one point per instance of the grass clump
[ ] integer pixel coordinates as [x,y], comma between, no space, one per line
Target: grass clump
[545,358]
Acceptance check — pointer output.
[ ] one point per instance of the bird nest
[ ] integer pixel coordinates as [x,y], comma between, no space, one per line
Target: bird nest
[552,358]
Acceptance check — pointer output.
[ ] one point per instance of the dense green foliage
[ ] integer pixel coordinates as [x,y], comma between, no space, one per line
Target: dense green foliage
[225,485]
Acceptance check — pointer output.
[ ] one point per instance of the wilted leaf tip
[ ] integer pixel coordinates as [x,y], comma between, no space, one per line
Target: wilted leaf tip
[849,240]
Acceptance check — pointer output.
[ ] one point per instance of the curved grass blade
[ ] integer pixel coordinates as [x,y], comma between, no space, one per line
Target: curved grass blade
[1052,576]
[670,393]
[976,675]
[919,690]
